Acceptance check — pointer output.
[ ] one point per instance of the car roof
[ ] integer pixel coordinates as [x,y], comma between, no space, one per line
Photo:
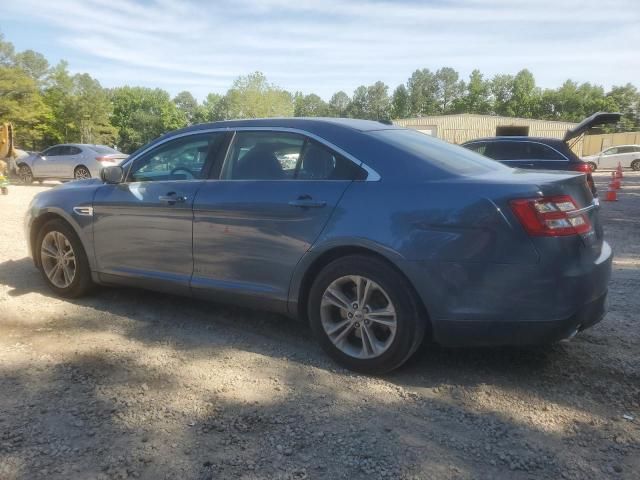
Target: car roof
[517,138]
[304,123]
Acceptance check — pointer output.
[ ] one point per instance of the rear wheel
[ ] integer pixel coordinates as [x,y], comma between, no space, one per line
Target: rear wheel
[62,259]
[592,166]
[365,315]
[25,174]
[635,165]
[81,173]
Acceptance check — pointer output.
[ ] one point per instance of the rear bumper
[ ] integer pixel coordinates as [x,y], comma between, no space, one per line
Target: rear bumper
[487,333]
[472,304]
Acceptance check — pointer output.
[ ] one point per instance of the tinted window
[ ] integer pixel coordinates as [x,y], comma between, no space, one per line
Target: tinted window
[510,150]
[444,155]
[180,159]
[53,151]
[539,151]
[73,151]
[478,147]
[626,150]
[103,149]
[505,150]
[320,163]
[284,156]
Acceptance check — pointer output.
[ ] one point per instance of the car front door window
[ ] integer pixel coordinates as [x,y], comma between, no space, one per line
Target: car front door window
[181,159]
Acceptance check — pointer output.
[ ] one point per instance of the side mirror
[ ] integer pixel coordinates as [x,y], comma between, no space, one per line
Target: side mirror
[112,174]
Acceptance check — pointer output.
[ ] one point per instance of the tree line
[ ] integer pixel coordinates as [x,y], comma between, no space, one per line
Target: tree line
[48,105]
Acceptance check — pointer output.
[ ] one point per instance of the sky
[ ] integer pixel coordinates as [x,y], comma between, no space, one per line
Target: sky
[322,46]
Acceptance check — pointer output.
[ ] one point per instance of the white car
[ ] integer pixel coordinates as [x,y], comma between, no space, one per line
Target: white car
[67,162]
[627,155]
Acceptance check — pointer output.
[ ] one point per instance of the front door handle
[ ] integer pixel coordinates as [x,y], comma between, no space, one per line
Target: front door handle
[305,201]
[172,198]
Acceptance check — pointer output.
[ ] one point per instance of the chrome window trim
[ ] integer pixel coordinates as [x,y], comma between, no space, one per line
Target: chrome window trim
[372,175]
[491,140]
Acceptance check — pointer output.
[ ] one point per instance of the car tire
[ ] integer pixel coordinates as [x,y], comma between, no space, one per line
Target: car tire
[592,166]
[365,344]
[25,174]
[81,173]
[57,236]
[635,165]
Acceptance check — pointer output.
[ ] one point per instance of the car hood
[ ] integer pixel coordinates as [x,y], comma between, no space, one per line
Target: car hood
[600,118]
[587,158]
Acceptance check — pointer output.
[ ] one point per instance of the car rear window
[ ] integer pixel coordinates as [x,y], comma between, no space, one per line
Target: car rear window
[448,157]
[103,149]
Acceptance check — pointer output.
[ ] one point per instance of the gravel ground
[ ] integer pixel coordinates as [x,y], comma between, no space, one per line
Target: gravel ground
[135,384]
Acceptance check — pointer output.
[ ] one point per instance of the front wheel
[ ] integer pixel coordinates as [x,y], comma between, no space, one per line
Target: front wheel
[635,165]
[592,166]
[365,315]
[81,173]
[25,174]
[62,260]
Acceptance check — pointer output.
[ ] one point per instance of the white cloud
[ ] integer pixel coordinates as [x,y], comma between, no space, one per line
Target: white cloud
[327,45]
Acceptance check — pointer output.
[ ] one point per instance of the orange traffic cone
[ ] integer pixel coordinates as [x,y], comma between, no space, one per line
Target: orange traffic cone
[619,171]
[615,183]
[611,195]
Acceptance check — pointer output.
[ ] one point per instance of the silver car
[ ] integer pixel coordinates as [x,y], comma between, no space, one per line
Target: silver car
[627,155]
[68,161]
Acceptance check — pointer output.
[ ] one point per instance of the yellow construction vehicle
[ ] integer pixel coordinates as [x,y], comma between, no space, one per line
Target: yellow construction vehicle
[8,155]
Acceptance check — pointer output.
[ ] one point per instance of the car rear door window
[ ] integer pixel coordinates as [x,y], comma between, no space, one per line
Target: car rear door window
[478,147]
[539,151]
[264,155]
[505,150]
[73,151]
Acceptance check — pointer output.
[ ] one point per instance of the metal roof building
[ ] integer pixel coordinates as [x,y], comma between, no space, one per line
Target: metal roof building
[466,126]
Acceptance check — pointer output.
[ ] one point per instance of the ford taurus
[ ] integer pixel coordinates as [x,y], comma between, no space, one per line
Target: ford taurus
[378,236]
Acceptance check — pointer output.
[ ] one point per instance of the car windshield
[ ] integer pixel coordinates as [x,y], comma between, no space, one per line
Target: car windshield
[103,149]
[448,157]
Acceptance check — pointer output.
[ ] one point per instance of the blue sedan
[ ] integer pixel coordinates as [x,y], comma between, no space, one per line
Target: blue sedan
[378,236]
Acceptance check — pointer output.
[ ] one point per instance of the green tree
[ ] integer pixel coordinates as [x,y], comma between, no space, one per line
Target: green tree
[502,91]
[22,105]
[358,104]
[626,100]
[252,96]
[188,106]
[310,106]
[477,97]
[422,88]
[142,114]
[34,64]
[378,103]
[80,108]
[213,108]
[339,104]
[448,89]
[400,106]
[7,53]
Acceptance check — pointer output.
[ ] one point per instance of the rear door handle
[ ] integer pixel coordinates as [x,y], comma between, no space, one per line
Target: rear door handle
[172,198]
[305,201]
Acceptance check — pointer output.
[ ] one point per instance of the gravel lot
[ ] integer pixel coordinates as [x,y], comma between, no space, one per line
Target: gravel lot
[135,384]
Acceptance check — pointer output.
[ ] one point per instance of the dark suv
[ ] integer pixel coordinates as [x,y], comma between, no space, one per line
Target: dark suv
[532,153]
[541,153]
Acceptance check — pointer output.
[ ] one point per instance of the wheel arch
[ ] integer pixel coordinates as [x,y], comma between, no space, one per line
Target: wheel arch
[40,221]
[302,282]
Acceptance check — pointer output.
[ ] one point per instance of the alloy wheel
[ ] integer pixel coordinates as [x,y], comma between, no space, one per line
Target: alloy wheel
[82,173]
[25,174]
[358,317]
[58,259]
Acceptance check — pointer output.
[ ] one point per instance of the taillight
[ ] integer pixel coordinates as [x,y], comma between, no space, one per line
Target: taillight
[580,167]
[104,159]
[550,216]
